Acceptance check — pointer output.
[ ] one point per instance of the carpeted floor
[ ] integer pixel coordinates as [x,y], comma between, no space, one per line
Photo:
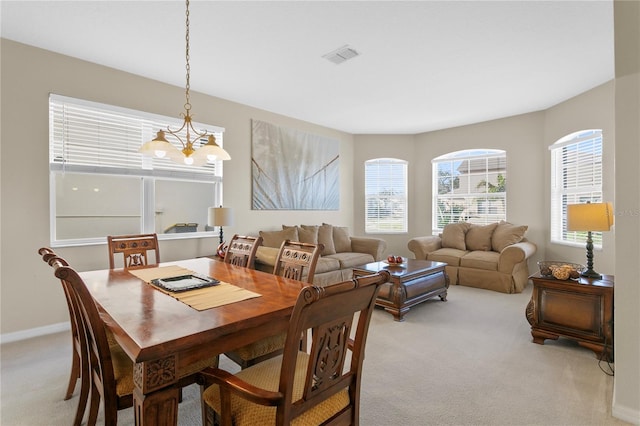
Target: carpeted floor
[467,361]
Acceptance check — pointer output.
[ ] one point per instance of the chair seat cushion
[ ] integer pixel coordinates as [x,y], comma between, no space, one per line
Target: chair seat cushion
[266,375]
[122,370]
[487,260]
[261,347]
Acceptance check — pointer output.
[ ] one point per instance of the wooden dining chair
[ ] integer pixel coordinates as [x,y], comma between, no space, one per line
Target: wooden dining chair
[135,250]
[242,251]
[298,387]
[295,260]
[76,354]
[105,369]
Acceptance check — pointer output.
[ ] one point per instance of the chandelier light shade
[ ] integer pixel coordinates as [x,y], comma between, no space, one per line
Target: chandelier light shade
[220,216]
[590,217]
[160,147]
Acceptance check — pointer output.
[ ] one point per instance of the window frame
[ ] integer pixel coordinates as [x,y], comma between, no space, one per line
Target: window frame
[126,162]
[455,160]
[564,191]
[381,184]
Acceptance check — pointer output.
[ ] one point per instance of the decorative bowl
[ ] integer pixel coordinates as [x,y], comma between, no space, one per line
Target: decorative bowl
[546,267]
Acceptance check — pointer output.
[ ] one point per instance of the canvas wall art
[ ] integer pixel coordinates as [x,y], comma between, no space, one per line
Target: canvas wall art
[293,170]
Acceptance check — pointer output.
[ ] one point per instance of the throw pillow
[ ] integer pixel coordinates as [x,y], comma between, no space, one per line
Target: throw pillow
[341,239]
[275,238]
[506,234]
[453,235]
[479,237]
[325,236]
[308,234]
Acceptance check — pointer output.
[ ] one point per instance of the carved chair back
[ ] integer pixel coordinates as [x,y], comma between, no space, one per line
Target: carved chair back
[242,251]
[135,250]
[297,260]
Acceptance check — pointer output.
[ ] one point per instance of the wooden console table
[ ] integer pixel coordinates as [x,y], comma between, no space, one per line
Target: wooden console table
[580,310]
[411,283]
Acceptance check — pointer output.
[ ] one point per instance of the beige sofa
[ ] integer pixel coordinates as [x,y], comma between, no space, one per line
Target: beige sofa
[493,256]
[340,254]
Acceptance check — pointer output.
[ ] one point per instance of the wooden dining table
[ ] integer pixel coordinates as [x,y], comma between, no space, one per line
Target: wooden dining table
[163,335]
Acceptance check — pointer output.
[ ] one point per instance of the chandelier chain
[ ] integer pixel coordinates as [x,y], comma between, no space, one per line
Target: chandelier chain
[187,105]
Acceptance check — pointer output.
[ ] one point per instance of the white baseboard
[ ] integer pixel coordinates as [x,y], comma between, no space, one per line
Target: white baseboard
[624,413]
[34,332]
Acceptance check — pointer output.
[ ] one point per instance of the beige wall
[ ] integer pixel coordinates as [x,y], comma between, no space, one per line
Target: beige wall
[626,392]
[30,298]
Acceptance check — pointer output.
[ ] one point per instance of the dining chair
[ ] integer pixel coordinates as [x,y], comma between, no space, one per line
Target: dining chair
[295,260]
[135,250]
[76,354]
[105,369]
[321,387]
[242,250]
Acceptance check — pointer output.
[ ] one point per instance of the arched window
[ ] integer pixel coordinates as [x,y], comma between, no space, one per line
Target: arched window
[576,177]
[471,186]
[385,181]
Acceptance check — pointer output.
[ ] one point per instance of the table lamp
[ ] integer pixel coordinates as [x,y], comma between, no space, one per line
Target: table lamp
[220,216]
[590,217]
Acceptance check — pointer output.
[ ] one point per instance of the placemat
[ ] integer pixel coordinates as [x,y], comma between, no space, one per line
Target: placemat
[200,299]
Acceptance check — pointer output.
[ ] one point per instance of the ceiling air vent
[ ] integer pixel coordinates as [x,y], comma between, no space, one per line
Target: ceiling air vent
[340,55]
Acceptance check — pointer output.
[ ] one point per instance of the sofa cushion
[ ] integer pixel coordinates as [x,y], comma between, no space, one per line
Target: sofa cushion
[506,234]
[341,239]
[275,238]
[326,264]
[479,237]
[449,256]
[350,259]
[453,235]
[325,236]
[487,260]
[308,234]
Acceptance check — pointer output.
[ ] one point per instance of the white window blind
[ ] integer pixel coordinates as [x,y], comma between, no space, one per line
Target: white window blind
[101,185]
[471,186]
[91,137]
[576,177]
[386,195]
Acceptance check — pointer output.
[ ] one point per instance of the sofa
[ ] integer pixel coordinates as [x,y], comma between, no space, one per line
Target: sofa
[341,251]
[492,257]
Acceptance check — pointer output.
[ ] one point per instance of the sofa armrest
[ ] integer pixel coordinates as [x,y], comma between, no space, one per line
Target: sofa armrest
[422,246]
[515,253]
[373,246]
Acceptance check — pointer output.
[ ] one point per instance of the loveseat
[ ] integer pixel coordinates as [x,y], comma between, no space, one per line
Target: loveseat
[340,254]
[492,256]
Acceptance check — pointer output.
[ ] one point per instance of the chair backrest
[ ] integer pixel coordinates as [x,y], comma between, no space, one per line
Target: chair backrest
[242,251]
[297,260]
[330,313]
[93,336]
[135,250]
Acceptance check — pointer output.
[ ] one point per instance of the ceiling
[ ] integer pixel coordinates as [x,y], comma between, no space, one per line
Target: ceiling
[423,65]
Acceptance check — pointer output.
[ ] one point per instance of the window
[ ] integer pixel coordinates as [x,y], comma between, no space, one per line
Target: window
[101,185]
[576,177]
[385,181]
[470,186]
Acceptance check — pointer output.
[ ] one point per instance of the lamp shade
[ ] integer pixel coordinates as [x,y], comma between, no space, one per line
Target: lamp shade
[589,217]
[220,216]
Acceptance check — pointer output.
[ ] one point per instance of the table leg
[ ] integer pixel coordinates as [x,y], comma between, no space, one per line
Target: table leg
[158,408]
[155,398]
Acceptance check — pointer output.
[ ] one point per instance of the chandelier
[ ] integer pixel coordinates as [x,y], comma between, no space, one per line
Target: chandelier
[160,147]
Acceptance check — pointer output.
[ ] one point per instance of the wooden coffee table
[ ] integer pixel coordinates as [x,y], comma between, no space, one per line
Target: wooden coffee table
[412,282]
